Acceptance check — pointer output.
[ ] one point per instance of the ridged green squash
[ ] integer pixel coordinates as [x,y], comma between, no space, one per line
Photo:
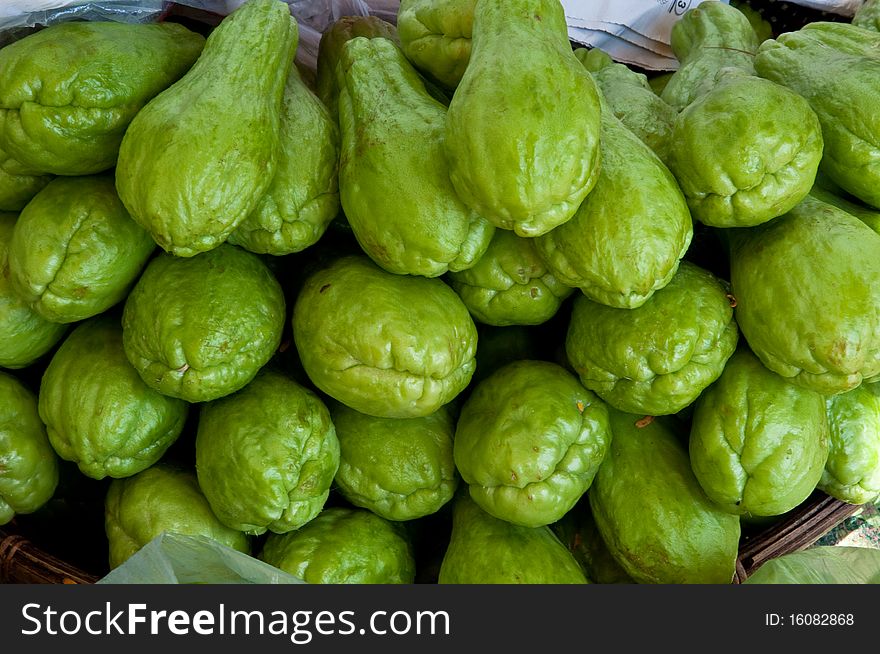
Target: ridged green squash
[436,37]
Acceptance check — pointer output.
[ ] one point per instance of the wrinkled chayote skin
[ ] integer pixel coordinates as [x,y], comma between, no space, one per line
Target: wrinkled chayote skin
[200,328]
[196,161]
[824,62]
[486,550]
[266,455]
[161,498]
[398,468]
[333,40]
[625,241]
[390,346]
[707,38]
[852,472]
[344,546]
[736,171]
[510,284]
[652,513]
[69,91]
[578,532]
[868,16]
[25,335]
[304,194]
[807,288]
[436,37]
[28,465]
[393,177]
[869,216]
[17,185]
[658,358]
[758,443]
[529,441]
[75,251]
[98,411]
[522,132]
[631,99]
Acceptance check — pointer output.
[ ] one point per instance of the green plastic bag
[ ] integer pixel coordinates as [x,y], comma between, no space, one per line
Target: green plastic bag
[172,558]
[822,565]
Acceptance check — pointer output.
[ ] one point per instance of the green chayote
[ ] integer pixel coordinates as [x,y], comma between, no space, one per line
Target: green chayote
[658,358]
[390,346]
[485,550]
[196,161]
[579,533]
[807,288]
[393,176]
[266,455]
[652,513]
[625,241]
[200,328]
[852,472]
[758,443]
[529,441]
[344,546]
[98,411]
[398,468]
[68,92]
[161,498]
[510,284]
[736,171]
[868,16]
[304,194]
[28,465]
[436,37]
[17,184]
[75,251]
[25,335]
[869,216]
[836,68]
[522,131]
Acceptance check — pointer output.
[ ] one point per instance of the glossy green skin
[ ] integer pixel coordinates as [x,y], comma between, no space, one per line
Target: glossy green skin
[736,171]
[871,217]
[400,469]
[529,441]
[18,185]
[25,335]
[522,132]
[98,411]
[578,531]
[852,472]
[333,40]
[658,358]
[653,515]
[196,161]
[161,498]
[826,336]
[304,194]
[824,62]
[201,328]
[627,238]
[436,37]
[68,92]
[390,346]
[393,178]
[266,456]
[486,550]
[28,466]
[631,99]
[510,284]
[707,38]
[868,16]
[344,546]
[75,251]
[758,443]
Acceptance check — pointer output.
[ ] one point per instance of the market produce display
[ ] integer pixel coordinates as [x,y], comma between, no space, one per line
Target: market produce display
[479,307]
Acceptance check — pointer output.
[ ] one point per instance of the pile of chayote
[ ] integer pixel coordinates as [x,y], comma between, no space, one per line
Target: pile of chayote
[465,305]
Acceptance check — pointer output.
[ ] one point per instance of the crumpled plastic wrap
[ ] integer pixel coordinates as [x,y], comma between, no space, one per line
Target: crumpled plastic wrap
[172,558]
[821,565]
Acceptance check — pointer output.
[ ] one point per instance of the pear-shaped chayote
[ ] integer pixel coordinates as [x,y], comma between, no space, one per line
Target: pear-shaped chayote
[436,37]
[393,176]
[68,92]
[522,132]
[195,162]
